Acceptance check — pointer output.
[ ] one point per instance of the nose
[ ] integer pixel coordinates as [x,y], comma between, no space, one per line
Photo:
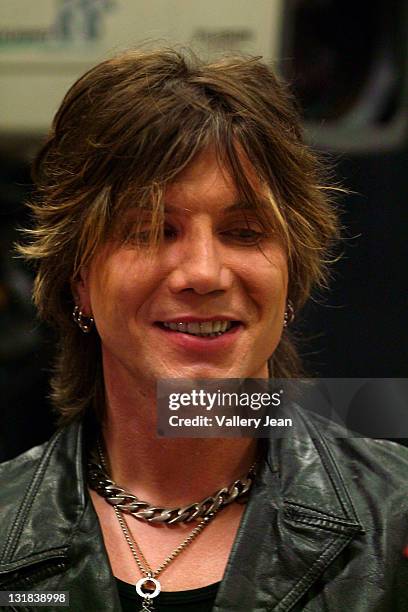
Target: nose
[200,265]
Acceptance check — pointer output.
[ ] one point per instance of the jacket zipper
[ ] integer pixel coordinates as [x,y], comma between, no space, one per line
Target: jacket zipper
[30,577]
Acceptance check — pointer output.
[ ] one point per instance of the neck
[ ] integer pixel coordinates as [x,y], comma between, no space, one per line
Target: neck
[165,471]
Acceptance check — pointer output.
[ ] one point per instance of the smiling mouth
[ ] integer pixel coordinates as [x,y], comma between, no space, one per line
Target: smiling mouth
[203,329]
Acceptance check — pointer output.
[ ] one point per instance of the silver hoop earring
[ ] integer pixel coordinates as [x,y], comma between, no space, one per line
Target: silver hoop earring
[289,315]
[84,323]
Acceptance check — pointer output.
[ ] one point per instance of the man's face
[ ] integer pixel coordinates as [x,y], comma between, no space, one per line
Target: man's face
[209,303]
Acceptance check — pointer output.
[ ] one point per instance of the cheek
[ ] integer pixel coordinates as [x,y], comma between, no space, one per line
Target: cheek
[109,284]
[120,284]
[267,281]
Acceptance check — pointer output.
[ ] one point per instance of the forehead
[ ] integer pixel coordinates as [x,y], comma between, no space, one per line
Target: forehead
[208,183]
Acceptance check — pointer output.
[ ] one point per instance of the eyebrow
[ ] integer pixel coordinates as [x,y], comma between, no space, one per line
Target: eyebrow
[169,208]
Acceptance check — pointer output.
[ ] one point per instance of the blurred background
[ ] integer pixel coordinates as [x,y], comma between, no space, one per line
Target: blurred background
[348,65]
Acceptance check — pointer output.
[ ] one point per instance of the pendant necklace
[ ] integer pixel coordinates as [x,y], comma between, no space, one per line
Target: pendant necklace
[149,575]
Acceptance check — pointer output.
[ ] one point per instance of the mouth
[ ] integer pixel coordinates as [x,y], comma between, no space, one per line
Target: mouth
[202,329]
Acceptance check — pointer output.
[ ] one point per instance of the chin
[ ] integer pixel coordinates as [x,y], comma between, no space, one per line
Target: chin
[201,370]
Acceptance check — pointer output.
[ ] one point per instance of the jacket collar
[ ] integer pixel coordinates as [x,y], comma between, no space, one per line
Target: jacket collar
[298,519]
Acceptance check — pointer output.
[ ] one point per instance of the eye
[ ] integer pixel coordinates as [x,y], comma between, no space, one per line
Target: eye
[141,235]
[245,235]
[137,236]
[169,232]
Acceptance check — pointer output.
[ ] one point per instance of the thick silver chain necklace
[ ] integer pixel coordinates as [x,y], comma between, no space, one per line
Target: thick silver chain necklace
[125,501]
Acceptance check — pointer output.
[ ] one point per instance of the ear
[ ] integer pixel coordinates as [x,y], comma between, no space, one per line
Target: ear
[81,291]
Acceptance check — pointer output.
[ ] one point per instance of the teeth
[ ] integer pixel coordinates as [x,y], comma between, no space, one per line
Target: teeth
[203,328]
[195,328]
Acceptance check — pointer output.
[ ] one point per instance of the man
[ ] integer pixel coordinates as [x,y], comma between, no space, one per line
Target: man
[180,223]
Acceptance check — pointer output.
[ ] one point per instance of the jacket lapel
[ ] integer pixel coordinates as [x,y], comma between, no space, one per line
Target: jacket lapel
[55,538]
[298,520]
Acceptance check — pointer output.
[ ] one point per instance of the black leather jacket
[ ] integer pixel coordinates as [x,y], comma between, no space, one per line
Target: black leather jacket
[324,528]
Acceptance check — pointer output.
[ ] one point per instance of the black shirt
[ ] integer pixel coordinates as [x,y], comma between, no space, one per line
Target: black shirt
[194,600]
